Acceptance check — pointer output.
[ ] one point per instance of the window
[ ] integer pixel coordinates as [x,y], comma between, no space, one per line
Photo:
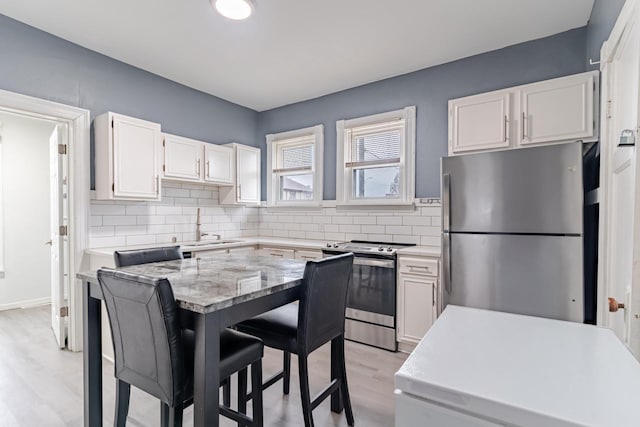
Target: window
[295,167]
[376,159]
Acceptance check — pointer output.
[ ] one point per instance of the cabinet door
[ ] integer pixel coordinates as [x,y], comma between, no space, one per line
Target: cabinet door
[245,250]
[557,110]
[248,174]
[278,253]
[182,158]
[218,164]
[210,252]
[479,122]
[416,309]
[135,158]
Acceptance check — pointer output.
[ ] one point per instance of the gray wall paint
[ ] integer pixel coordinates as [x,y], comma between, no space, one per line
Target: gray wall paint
[429,90]
[38,64]
[603,18]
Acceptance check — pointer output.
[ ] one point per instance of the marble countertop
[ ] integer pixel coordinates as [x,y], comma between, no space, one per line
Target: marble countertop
[212,283]
[428,251]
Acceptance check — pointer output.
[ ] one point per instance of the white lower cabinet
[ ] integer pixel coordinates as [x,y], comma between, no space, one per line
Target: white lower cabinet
[245,250]
[210,252]
[306,255]
[416,303]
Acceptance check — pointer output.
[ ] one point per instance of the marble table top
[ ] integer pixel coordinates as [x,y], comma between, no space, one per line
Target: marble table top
[208,284]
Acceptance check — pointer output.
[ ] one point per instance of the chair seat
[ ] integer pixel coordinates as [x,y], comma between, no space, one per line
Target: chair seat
[277,328]
[237,351]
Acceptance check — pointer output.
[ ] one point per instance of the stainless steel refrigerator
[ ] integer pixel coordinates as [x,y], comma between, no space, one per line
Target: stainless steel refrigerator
[513,231]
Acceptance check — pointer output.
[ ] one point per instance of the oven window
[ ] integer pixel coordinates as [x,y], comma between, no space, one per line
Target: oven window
[373,289]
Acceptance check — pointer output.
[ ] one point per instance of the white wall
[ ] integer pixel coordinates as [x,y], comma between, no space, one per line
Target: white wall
[26,205]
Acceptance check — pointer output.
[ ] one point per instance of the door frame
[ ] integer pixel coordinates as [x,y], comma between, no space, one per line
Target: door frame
[78,123]
[628,17]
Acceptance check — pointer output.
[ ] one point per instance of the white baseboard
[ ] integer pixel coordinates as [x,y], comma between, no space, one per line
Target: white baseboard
[26,304]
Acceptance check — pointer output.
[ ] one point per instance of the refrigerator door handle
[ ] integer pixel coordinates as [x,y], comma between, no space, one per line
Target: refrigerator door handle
[446,224]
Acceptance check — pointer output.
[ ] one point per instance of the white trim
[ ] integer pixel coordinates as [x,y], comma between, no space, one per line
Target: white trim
[36,302]
[317,132]
[344,128]
[625,19]
[78,121]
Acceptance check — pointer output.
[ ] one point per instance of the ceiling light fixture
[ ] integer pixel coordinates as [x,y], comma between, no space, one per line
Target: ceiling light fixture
[234,9]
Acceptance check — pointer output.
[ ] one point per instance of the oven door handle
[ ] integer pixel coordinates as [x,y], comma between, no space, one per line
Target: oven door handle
[384,263]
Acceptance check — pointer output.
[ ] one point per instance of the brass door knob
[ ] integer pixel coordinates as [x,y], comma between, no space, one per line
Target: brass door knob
[615,305]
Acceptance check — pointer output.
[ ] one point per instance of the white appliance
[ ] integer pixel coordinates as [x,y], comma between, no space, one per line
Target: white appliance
[486,368]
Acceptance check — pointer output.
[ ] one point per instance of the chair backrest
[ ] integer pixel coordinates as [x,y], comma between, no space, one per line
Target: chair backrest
[323,301]
[146,256]
[147,338]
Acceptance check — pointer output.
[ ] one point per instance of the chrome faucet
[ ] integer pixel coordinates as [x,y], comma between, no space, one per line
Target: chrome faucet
[199,233]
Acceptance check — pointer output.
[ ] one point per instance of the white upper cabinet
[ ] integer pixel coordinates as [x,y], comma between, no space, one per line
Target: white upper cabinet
[126,158]
[245,188]
[551,111]
[182,158]
[558,110]
[218,164]
[479,122]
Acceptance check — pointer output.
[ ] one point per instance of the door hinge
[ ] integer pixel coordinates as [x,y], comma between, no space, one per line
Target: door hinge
[609,109]
[62,148]
[64,311]
[164,168]
[64,230]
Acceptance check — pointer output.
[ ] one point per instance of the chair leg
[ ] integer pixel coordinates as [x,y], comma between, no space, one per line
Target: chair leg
[256,393]
[226,392]
[242,392]
[164,415]
[175,416]
[305,396]
[286,380]
[344,388]
[123,391]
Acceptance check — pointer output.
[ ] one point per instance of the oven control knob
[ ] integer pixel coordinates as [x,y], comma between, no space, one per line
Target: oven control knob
[328,245]
[335,245]
[389,249]
[380,248]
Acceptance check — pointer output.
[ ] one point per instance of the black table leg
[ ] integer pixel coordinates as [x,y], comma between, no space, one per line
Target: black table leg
[336,399]
[206,370]
[92,355]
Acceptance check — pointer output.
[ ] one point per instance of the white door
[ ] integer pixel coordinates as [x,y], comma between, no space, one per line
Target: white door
[182,158]
[218,164]
[620,220]
[135,148]
[479,122]
[557,110]
[59,241]
[248,170]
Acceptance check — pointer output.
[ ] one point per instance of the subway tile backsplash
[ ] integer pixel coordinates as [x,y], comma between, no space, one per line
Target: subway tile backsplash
[124,223]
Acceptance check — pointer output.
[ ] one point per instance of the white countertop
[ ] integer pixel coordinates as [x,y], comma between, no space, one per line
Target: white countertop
[427,251]
[525,370]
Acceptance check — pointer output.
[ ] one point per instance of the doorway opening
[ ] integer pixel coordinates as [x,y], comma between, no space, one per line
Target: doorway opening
[51,191]
[34,219]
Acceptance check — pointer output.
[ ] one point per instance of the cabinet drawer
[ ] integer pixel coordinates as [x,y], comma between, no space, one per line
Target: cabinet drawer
[307,255]
[418,266]
[277,252]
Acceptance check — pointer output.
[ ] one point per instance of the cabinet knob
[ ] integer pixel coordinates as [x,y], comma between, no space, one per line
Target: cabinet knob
[614,305]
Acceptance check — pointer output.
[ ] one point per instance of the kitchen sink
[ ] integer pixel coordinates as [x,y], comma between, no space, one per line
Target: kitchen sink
[212,242]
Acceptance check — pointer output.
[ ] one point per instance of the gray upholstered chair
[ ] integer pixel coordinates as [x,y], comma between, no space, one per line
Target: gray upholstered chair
[153,353]
[303,328]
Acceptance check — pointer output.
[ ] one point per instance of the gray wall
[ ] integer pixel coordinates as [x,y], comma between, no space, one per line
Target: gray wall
[603,18]
[38,64]
[429,90]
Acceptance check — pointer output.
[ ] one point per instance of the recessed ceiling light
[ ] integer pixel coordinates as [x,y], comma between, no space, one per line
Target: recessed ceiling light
[234,9]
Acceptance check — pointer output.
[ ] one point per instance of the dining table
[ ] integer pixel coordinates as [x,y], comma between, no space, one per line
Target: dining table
[212,293]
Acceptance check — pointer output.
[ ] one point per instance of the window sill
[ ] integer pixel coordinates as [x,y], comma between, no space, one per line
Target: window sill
[379,206]
[295,208]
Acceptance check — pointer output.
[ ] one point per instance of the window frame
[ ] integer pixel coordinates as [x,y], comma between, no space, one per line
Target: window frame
[313,136]
[345,165]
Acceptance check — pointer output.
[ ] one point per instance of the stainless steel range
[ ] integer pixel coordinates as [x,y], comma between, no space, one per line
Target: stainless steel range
[371,301]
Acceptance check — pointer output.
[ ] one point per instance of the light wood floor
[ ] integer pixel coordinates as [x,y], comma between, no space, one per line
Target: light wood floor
[42,386]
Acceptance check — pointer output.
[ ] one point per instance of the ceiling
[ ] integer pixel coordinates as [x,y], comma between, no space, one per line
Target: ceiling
[292,50]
